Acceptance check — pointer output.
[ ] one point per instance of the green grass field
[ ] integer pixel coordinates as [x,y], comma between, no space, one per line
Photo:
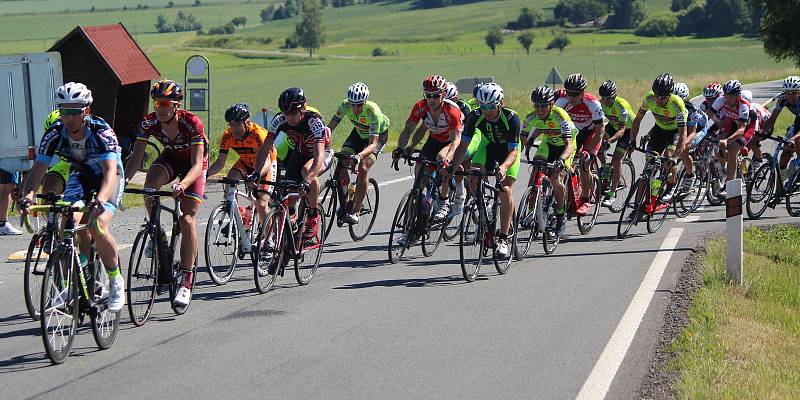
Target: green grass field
[744,342]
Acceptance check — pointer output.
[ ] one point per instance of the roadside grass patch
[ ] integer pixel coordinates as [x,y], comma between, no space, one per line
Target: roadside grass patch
[744,342]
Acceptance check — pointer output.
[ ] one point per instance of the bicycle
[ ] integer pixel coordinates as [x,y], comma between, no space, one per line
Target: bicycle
[413,220]
[66,296]
[480,226]
[645,202]
[280,239]
[229,232]
[717,177]
[765,189]
[149,271]
[627,174]
[686,202]
[338,197]
[536,210]
[39,250]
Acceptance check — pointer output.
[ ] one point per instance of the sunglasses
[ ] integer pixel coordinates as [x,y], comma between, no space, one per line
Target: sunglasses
[488,107]
[541,105]
[72,111]
[356,104]
[573,94]
[608,98]
[662,97]
[163,103]
[432,95]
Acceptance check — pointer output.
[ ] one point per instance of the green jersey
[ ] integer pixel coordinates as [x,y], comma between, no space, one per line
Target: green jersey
[554,130]
[619,114]
[370,121]
[669,117]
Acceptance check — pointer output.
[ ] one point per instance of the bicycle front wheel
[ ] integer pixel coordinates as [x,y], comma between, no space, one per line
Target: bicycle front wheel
[627,176]
[631,209]
[586,222]
[222,244]
[35,264]
[179,278]
[401,232]
[142,278]
[306,261]
[330,202]
[105,323]
[59,305]
[760,190]
[472,244]
[368,212]
[525,223]
[793,196]
[268,255]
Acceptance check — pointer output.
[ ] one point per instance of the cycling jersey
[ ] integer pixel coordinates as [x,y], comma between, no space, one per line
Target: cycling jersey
[99,144]
[761,113]
[472,103]
[705,106]
[669,117]
[247,147]
[555,129]
[190,133]
[306,134]
[585,113]
[371,121]
[741,112]
[697,118]
[477,138]
[505,130]
[781,102]
[620,114]
[449,118]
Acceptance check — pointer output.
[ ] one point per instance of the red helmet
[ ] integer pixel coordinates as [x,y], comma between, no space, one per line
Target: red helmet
[434,83]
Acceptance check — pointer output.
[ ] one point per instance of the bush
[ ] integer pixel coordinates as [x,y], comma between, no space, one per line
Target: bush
[291,43]
[526,19]
[580,11]
[559,42]
[658,25]
[379,52]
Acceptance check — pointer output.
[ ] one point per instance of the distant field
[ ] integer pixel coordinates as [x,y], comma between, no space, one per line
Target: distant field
[43,6]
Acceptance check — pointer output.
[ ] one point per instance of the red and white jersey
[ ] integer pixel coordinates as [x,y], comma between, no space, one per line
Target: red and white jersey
[762,112]
[585,113]
[707,107]
[450,117]
[741,111]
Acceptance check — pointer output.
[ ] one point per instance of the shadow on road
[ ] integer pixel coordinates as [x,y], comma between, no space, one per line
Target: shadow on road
[412,282]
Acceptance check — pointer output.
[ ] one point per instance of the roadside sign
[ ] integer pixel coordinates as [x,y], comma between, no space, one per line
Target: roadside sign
[465,85]
[554,78]
[197,84]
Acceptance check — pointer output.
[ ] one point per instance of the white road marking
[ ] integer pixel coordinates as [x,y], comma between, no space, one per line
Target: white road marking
[690,218]
[398,180]
[599,380]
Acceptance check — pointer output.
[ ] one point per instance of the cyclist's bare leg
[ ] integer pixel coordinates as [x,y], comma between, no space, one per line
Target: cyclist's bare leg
[557,180]
[673,176]
[189,209]
[586,178]
[156,178]
[444,189]
[313,186]
[105,242]
[506,204]
[362,183]
[616,164]
[732,160]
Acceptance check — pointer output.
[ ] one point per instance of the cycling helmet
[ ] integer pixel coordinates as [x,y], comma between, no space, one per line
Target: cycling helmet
[681,90]
[74,93]
[292,99]
[732,87]
[747,95]
[451,92]
[475,89]
[663,85]
[237,113]
[358,93]
[575,83]
[490,93]
[608,89]
[434,83]
[791,83]
[167,89]
[713,89]
[52,118]
[543,94]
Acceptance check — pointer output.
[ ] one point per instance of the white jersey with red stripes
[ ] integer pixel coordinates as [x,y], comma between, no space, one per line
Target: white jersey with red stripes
[585,113]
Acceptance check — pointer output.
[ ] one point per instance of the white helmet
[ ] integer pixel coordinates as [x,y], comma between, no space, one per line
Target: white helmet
[451,92]
[74,93]
[358,93]
[747,95]
[490,93]
[681,90]
[791,83]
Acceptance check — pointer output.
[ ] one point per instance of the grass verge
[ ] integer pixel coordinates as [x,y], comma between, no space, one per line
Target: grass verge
[744,342]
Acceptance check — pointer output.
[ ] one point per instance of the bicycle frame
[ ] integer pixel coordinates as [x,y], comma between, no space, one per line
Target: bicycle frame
[231,202]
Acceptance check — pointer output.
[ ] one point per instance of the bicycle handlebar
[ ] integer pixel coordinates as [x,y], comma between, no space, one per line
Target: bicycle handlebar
[150,192]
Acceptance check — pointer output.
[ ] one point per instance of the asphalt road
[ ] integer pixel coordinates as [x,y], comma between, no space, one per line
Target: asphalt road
[365,329]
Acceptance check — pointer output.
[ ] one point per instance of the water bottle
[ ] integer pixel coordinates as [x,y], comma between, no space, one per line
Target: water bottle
[247,217]
[655,186]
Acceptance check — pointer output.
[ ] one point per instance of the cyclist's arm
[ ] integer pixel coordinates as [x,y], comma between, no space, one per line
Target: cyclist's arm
[683,132]
[319,160]
[455,139]
[218,164]
[637,122]
[109,167]
[568,149]
[197,166]
[403,139]
[263,155]
[738,133]
[135,162]
[370,147]
[33,179]
[769,124]
[599,130]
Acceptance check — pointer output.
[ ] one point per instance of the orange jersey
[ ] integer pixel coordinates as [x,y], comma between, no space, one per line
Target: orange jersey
[246,148]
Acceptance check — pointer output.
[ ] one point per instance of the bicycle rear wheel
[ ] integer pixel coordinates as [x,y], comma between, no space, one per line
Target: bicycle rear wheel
[35,265]
[550,238]
[368,212]
[760,190]
[268,256]
[105,323]
[306,261]
[142,278]
[59,305]
[222,244]
[330,202]
[586,222]
[627,176]
[793,196]
[400,235]
[178,277]
[526,222]
[472,244]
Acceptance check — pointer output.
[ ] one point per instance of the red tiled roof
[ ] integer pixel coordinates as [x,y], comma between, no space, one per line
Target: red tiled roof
[119,52]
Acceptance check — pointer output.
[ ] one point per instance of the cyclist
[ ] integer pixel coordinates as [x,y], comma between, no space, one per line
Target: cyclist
[185,157]
[365,142]
[443,119]
[670,115]
[501,128]
[738,122]
[245,137]
[789,98]
[762,115]
[311,152]
[618,130]
[586,113]
[55,179]
[451,93]
[696,130]
[91,146]
[557,146]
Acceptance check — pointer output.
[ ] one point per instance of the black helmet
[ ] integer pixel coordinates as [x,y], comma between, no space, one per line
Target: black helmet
[543,94]
[237,113]
[292,99]
[608,89]
[732,86]
[663,85]
[167,89]
[575,83]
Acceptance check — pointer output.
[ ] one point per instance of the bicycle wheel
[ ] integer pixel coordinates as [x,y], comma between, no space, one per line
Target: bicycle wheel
[400,236]
[716,183]
[142,278]
[659,215]
[760,190]
[267,256]
[35,264]
[688,202]
[631,209]
[627,176]
[793,196]
[472,244]
[151,153]
[745,169]
[586,222]
[550,239]
[525,223]
[222,244]
[503,264]
[306,261]
[60,305]
[452,227]
[330,202]
[105,323]
[178,277]
[368,212]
